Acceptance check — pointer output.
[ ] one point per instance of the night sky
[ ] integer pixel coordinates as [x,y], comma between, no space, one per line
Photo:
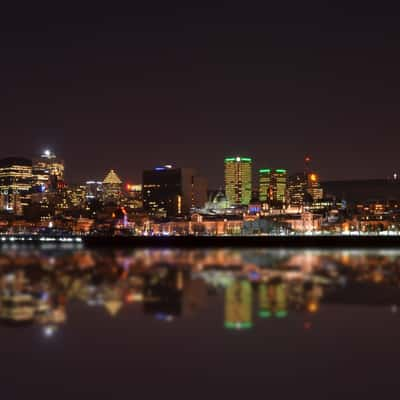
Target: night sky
[191,82]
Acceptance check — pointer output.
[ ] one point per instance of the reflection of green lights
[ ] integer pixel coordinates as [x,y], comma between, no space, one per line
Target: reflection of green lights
[281,171]
[281,314]
[238,325]
[264,314]
[264,170]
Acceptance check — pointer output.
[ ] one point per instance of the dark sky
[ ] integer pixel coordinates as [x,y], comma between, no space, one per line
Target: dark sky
[191,82]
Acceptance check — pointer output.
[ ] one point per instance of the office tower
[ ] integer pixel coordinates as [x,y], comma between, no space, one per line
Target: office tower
[238,180]
[264,184]
[297,186]
[75,196]
[48,172]
[15,183]
[133,196]
[314,187]
[94,190]
[171,192]
[112,188]
[279,178]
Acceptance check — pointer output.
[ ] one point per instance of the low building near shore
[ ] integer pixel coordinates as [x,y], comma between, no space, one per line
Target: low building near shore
[201,225]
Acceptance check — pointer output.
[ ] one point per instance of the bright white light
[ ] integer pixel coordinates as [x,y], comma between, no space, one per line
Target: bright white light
[49,331]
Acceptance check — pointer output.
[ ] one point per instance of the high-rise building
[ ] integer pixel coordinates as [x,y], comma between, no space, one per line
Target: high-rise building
[279,178]
[272,186]
[133,196]
[172,191]
[48,172]
[314,187]
[297,187]
[264,184]
[238,180]
[94,190]
[15,183]
[112,188]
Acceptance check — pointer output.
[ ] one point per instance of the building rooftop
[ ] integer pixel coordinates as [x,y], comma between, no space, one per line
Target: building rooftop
[112,178]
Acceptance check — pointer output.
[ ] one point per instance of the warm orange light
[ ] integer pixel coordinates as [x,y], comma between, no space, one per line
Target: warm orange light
[313,177]
[312,307]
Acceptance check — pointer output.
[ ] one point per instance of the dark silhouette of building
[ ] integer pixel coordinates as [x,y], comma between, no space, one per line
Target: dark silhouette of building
[173,192]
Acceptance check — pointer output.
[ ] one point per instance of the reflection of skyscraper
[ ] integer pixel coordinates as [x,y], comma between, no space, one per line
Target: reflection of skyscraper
[272,300]
[264,302]
[195,296]
[281,301]
[238,180]
[238,305]
[163,293]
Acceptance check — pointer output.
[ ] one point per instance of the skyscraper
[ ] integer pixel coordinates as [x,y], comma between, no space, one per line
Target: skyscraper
[48,171]
[264,184]
[15,183]
[297,186]
[171,192]
[238,180]
[313,187]
[272,186]
[279,177]
[313,182]
[112,188]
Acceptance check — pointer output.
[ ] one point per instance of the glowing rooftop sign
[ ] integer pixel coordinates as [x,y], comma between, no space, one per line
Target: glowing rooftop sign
[238,159]
[163,168]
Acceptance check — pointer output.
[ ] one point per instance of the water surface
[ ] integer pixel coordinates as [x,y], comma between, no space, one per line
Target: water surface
[226,323]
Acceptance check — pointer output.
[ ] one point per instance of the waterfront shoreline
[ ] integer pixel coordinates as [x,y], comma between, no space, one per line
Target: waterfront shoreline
[243,241]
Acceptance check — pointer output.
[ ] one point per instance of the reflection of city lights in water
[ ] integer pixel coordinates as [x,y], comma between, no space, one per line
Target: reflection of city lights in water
[164,317]
[49,331]
[312,307]
[307,325]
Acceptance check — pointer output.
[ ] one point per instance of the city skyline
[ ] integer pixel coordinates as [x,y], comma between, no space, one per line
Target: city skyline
[129,89]
[216,180]
[199,199]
